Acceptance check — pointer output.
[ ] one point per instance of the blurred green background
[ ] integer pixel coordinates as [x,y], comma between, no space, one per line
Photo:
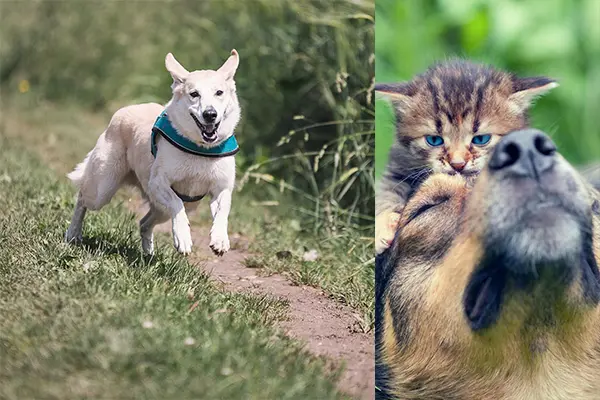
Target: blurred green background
[557,38]
[304,81]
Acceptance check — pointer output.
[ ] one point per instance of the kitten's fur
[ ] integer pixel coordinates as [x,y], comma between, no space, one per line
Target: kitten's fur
[457,100]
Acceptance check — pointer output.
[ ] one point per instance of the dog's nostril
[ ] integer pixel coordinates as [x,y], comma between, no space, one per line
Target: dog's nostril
[505,156]
[527,152]
[544,145]
[210,115]
[513,152]
[510,155]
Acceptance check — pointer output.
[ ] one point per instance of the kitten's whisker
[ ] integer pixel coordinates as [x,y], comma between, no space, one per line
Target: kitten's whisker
[414,176]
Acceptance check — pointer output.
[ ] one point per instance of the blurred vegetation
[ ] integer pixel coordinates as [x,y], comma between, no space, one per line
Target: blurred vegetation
[304,81]
[557,38]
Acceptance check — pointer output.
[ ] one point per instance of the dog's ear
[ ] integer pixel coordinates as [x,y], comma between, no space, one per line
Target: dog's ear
[175,69]
[526,90]
[230,66]
[484,295]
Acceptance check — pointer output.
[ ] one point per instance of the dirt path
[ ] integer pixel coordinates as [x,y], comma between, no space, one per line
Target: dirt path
[327,327]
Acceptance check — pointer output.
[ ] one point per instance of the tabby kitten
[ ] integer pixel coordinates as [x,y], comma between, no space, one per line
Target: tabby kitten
[447,120]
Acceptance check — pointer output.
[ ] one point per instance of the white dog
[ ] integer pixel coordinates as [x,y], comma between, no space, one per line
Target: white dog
[175,159]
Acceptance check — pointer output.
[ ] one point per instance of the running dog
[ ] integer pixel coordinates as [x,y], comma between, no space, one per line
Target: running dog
[175,154]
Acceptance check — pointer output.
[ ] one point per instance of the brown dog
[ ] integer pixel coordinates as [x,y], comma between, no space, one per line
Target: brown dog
[491,290]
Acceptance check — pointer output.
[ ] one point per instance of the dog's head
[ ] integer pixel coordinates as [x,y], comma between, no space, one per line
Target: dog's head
[487,277]
[204,106]
[532,217]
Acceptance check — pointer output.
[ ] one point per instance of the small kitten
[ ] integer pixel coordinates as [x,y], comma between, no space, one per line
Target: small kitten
[447,120]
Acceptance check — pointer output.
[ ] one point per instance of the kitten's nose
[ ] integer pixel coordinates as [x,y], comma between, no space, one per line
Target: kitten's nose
[458,165]
[526,153]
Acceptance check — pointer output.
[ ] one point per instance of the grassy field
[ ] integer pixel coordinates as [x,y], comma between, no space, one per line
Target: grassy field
[98,321]
[59,136]
[304,83]
[307,142]
[558,38]
[62,135]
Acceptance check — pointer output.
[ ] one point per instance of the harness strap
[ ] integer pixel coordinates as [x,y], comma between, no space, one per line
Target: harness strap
[164,128]
[188,199]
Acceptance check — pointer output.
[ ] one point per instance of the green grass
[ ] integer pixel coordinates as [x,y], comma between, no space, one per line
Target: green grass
[304,85]
[303,64]
[76,320]
[384,122]
[344,269]
[340,268]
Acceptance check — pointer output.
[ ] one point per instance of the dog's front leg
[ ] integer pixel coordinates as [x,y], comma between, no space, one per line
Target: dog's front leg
[220,205]
[165,199]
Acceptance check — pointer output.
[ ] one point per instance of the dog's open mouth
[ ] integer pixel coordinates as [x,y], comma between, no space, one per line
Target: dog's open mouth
[209,131]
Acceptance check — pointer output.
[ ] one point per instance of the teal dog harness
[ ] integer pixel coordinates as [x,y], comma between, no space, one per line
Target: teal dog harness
[163,127]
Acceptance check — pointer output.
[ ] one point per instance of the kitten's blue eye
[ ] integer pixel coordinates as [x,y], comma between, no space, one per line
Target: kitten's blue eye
[434,141]
[480,140]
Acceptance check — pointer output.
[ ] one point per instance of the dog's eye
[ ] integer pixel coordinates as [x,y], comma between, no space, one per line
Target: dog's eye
[425,207]
[421,210]
[219,92]
[195,94]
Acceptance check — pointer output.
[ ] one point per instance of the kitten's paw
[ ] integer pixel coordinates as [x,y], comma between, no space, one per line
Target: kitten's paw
[182,236]
[219,242]
[385,229]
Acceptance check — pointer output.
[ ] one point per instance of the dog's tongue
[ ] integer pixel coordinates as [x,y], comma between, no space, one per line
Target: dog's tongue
[210,128]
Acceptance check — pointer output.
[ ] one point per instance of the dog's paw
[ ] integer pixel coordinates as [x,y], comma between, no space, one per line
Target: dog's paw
[148,244]
[385,229]
[219,243]
[73,236]
[182,237]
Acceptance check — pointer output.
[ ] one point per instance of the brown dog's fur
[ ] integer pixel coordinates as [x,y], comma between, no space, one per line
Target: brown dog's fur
[546,341]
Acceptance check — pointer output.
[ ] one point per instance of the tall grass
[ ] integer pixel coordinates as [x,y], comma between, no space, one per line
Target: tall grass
[305,81]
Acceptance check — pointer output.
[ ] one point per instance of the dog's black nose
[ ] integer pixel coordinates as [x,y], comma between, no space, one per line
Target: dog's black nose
[528,152]
[210,114]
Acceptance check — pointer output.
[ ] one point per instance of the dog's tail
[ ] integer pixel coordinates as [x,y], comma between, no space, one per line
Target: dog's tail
[76,176]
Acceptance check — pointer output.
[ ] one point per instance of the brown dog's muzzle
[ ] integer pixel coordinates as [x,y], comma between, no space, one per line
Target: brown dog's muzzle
[537,224]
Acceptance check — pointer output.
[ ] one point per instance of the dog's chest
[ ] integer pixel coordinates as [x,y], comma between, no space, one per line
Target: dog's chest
[197,175]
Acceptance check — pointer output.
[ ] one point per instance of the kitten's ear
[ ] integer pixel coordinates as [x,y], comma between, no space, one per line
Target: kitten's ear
[526,90]
[400,94]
